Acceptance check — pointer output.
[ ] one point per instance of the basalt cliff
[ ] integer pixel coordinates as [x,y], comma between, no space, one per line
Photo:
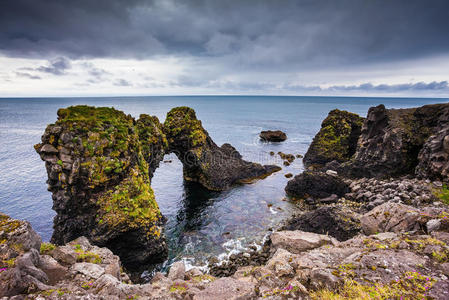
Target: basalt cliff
[100,162]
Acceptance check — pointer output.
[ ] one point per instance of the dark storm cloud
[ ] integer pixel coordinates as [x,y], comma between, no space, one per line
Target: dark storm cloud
[260,34]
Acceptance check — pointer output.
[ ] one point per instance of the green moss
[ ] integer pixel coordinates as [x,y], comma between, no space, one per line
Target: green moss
[47,248]
[443,194]
[131,204]
[183,121]
[83,256]
[151,134]
[8,225]
[178,288]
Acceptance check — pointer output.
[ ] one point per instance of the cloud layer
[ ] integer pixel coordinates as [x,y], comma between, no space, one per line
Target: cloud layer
[229,41]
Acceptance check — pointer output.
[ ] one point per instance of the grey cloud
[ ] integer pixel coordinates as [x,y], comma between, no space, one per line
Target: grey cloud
[419,86]
[261,35]
[122,82]
[442,86]
[27,75]
[97,74]
[57,66]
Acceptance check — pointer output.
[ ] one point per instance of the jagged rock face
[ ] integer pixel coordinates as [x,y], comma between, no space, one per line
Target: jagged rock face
[336,140]
[100,181]
[216,168]
[316,185]
[434,156]
[392,139]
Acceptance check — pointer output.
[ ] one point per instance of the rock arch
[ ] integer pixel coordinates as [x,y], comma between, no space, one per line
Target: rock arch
[100,162]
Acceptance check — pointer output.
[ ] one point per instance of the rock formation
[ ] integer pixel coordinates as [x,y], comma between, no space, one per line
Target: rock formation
[216,168]
[336,140]
[100,162]
[273,136]
[100,180]
[392,142]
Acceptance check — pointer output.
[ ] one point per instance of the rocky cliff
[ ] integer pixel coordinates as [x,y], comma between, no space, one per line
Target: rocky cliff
[216,168]
[391,142]
[100,181]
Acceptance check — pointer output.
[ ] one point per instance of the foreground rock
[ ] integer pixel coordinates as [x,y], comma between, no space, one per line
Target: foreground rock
[273,136]
[316,185]
[303,266]
[216,168]
[100,181]
[336,140]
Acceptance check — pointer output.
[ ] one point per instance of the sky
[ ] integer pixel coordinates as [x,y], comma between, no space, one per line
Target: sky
[215,47]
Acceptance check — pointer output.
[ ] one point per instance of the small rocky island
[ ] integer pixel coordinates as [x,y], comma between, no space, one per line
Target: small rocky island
[374,221]
[273,136]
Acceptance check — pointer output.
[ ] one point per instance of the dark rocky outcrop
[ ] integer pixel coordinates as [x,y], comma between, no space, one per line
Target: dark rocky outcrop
[216,168]
[273,136]
[336,140]
[100,181]
[316,185]
[337,221]
[396,142]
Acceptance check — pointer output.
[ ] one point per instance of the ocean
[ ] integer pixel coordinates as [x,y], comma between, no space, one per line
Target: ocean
[201,224]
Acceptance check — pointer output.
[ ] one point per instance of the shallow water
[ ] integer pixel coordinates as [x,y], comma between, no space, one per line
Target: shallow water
[200,223]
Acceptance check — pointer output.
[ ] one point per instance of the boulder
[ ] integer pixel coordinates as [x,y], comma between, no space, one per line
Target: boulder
[337,221]
[316,185]
[336,140]
[299,241]
[16,237]
[273,136]
[390,216]
[216,168]
[227,289]
[177,271]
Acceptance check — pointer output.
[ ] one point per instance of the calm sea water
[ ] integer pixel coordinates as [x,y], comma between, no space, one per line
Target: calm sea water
[201,224]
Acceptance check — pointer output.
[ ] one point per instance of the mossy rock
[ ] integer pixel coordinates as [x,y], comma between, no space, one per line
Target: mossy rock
[336,140]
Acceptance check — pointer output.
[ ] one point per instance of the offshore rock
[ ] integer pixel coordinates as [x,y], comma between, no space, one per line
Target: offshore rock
[216,168]
[316,185]
[273,136]
[100,181]
[336,140]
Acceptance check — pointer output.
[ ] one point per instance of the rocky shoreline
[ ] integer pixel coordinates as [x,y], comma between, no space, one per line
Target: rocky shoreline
[374,221]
